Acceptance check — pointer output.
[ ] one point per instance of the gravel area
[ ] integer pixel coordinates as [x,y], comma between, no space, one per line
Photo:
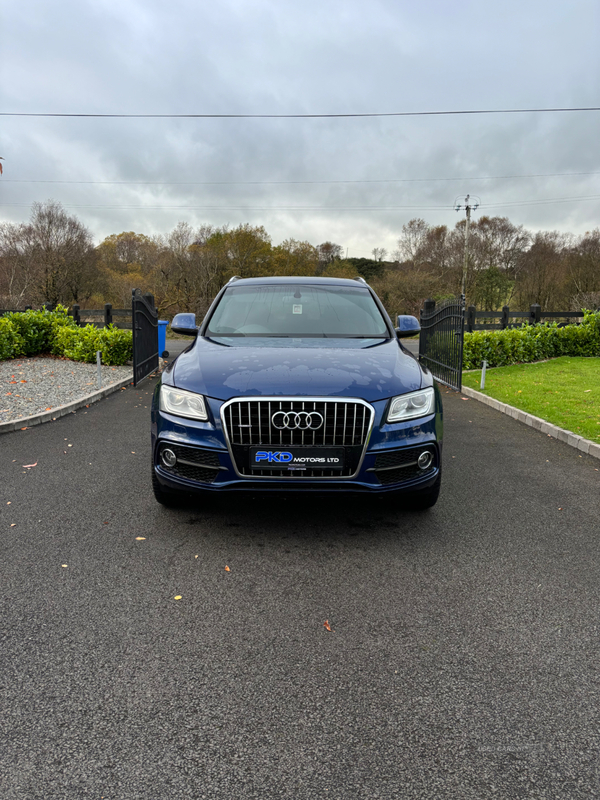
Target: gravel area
[31,385]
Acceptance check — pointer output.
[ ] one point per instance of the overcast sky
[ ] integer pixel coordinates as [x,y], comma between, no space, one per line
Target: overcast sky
[352,181]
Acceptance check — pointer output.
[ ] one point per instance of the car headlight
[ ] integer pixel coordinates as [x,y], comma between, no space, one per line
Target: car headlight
[412,405]
[182,403]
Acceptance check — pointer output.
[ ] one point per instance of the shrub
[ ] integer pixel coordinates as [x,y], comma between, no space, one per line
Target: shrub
[35,331]
[116,346]
[11,341]
[60,320]
[31,332]
[81,344]
[532,343]
[35,328]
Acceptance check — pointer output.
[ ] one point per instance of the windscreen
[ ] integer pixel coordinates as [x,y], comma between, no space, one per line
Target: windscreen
[298,311]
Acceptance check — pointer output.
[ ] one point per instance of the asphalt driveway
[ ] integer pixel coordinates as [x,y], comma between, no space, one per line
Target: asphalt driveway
[463,660]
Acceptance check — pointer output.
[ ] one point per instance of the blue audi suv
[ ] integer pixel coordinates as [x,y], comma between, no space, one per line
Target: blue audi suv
[297,384]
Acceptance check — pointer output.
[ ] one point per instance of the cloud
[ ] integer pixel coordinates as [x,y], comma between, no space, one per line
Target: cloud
[282,57]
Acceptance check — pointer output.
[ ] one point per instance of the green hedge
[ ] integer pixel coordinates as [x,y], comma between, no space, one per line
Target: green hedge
[11,341]
[29,333]
[81,344]
[35,329]
[532,343]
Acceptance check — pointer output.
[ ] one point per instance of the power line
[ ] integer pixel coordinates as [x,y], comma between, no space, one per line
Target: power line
[319,208]
[302,116]
[303,183]
[245,208]
[540,202]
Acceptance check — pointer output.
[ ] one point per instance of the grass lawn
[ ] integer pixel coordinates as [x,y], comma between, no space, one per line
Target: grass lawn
[564,391]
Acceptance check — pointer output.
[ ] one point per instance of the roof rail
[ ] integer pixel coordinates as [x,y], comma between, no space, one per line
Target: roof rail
[361,279]
[234,278]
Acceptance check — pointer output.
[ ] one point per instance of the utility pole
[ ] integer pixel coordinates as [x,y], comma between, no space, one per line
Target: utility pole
[469,205]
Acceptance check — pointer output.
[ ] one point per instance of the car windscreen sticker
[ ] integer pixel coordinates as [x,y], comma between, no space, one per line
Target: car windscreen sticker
[297,309]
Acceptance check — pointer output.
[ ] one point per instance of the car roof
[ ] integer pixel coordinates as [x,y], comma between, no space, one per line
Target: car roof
[295,279]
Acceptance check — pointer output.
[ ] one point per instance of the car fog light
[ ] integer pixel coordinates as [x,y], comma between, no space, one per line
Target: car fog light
[425,459]
[168,457]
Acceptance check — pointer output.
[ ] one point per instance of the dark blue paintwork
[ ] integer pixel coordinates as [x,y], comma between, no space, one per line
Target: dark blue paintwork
[373,370]
[370,369]
[184,324]
[407,325]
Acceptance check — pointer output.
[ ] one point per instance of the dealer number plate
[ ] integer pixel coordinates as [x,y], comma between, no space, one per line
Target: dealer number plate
[297,458]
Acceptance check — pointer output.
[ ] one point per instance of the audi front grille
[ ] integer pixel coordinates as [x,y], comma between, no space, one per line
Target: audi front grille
[249,422]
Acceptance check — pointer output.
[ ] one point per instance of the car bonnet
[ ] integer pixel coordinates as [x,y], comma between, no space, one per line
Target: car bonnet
[373,370]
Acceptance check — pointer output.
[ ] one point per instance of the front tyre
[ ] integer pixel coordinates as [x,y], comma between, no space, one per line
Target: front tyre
[163,496]
[426,498]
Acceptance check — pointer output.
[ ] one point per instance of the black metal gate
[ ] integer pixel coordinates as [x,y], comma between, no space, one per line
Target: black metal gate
[441,340]
[144,319]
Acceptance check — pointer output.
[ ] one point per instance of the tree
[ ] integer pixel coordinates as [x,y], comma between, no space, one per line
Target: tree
[206,269]
[248,250]
[403,292]
[129,252]
[127,261]
[339,269]
[543,274]
[64,255]
[491,289]
[412,242]
[379,253]
[292,257]
[496,242]
[584,271]
[173,280]
[367,267]
[328,253]
[434,250]
[17,266]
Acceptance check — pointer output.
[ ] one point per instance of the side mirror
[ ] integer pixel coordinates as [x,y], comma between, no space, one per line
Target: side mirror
[184,324]
[407,326]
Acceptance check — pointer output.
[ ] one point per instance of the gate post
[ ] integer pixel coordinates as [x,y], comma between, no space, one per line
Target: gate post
[535,313]
[470,319]
[107,314]
[504,318]
[75,315]
[426,311]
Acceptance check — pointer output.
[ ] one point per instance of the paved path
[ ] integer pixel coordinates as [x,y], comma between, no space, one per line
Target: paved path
[463,661]
[177,346]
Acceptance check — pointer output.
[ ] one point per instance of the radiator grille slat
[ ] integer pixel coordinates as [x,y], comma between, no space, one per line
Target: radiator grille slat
[335,408]
[270,430]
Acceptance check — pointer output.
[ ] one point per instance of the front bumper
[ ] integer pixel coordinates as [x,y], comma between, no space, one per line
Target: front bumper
[205,463]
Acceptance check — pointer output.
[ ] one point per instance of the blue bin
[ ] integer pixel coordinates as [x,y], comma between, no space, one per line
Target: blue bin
[162,336]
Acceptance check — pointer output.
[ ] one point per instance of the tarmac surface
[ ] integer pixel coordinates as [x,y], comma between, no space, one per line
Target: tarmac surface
[463,660]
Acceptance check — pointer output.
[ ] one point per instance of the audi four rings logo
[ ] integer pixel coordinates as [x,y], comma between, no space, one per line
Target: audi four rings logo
[297,420]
